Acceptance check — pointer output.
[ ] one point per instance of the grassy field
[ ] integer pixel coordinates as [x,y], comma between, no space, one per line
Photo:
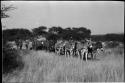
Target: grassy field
[42,67]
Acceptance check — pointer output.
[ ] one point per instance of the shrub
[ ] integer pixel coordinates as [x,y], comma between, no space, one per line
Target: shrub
[10,61]
[113,45]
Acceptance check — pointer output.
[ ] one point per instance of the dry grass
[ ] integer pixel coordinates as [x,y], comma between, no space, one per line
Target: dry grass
[41,67]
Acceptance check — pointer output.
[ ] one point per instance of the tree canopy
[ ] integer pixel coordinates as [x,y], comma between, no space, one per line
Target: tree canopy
[41,30]
[5,9]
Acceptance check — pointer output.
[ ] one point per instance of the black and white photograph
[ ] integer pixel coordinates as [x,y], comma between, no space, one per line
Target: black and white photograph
[62,41]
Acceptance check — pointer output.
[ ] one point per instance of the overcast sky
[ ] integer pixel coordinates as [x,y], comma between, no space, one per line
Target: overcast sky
[100,17]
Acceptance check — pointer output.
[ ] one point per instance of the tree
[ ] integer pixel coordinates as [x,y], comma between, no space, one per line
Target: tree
[55,30]
[76,33]
[14,34]
[51,36]
[55,33]
[4,10]
[67,33]
[39,31]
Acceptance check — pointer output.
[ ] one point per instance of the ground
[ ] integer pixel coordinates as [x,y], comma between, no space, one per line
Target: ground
[43,67]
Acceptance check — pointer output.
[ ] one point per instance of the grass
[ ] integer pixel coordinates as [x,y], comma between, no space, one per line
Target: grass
[42,67]
[11,61]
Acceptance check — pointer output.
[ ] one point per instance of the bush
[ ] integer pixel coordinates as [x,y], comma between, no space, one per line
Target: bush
[113,45]
[11,61]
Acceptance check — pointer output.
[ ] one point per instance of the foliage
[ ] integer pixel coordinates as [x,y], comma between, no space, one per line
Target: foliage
[51,36]
[70,33]
[39,31]
[55,30]
[53,33]
[14,34]
[115,37]
[108,37]
[112,44]
[11,61]
[5,9]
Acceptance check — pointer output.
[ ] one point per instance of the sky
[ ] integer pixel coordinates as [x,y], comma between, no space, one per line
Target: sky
[100,17]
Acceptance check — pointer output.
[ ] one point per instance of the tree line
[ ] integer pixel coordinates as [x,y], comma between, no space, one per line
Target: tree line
[55,33]
[109,37]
